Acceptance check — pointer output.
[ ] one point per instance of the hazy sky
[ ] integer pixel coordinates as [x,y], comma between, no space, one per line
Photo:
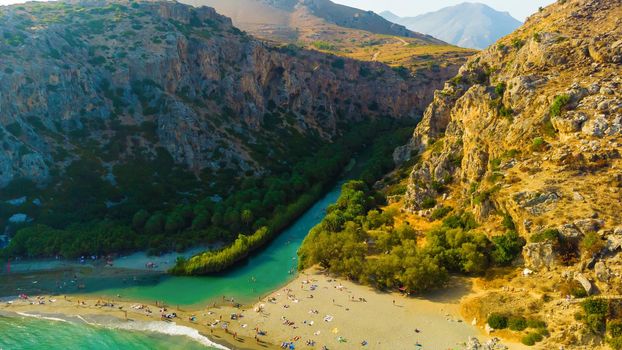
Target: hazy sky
[519,9]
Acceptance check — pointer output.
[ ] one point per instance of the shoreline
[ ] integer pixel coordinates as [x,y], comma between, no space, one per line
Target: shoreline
[312,307]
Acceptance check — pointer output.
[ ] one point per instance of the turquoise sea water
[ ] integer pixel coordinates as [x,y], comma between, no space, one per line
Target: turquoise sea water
[25,333]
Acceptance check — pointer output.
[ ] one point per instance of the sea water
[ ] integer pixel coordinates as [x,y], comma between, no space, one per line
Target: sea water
[28,333]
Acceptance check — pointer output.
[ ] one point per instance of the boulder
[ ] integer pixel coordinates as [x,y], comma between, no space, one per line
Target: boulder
[601,271]
[536,203]
[570,122]
[473,344]
[569,231]
[539,256]
[585,283]
[614,243]
[589,225]
[596,127]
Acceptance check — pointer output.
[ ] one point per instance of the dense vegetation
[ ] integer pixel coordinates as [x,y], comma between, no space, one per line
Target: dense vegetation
[366,244]
[602,317]
[151,214]
[326,168]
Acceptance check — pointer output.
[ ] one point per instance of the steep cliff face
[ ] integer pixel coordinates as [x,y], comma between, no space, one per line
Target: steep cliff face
[115,78]
[531,128]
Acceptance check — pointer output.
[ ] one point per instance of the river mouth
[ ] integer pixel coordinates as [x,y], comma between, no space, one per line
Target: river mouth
[260,274]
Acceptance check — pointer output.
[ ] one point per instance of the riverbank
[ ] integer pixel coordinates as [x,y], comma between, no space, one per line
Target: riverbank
[313,307]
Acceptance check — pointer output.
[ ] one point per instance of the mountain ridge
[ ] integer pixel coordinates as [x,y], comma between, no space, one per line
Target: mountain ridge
[340,15]
[472,25]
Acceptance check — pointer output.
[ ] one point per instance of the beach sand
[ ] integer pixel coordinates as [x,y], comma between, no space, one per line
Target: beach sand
[332,312]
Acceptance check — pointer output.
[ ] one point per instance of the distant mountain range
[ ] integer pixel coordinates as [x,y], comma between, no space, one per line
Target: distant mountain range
[471,25]
[288,19]
[323,25]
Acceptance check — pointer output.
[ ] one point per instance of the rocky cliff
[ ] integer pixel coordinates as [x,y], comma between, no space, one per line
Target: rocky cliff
[531,129]
[111,79]
[532,126]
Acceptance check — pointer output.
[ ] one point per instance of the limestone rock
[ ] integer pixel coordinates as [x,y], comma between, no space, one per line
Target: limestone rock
[585,283]
[601,271]
[539,256]
[548,103]
[570,231]
[589,225]
[207,94]
[614,243]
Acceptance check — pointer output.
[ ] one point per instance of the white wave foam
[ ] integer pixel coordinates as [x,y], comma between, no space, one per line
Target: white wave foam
[163,328]
[41,317]
[154,326]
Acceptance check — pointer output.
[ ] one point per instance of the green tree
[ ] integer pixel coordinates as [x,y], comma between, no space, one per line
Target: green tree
[155,224]
[139,219]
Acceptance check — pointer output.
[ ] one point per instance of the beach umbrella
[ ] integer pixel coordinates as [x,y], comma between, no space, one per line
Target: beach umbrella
[335,330]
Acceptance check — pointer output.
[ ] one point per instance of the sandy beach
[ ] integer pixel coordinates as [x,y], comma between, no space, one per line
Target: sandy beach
[313,308]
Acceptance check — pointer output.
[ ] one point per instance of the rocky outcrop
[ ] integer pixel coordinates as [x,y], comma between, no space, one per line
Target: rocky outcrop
[584,282]
[539,256]
[527,118]
[188,80]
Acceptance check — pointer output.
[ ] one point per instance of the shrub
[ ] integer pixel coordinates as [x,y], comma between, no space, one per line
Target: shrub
[500,89]
[615,328]
[497,321]
[506,248]
[558,105]
[508,222]
[428,203]
[591,244]
[536,36]
[139,219]
[549,235]
[517,323]
[535,323]
[595,307]
[517,43]
[538,144]
[531,339]
[578,292]
[615,343]
[595,323]
[440,213]
[323,45]
[505,112]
